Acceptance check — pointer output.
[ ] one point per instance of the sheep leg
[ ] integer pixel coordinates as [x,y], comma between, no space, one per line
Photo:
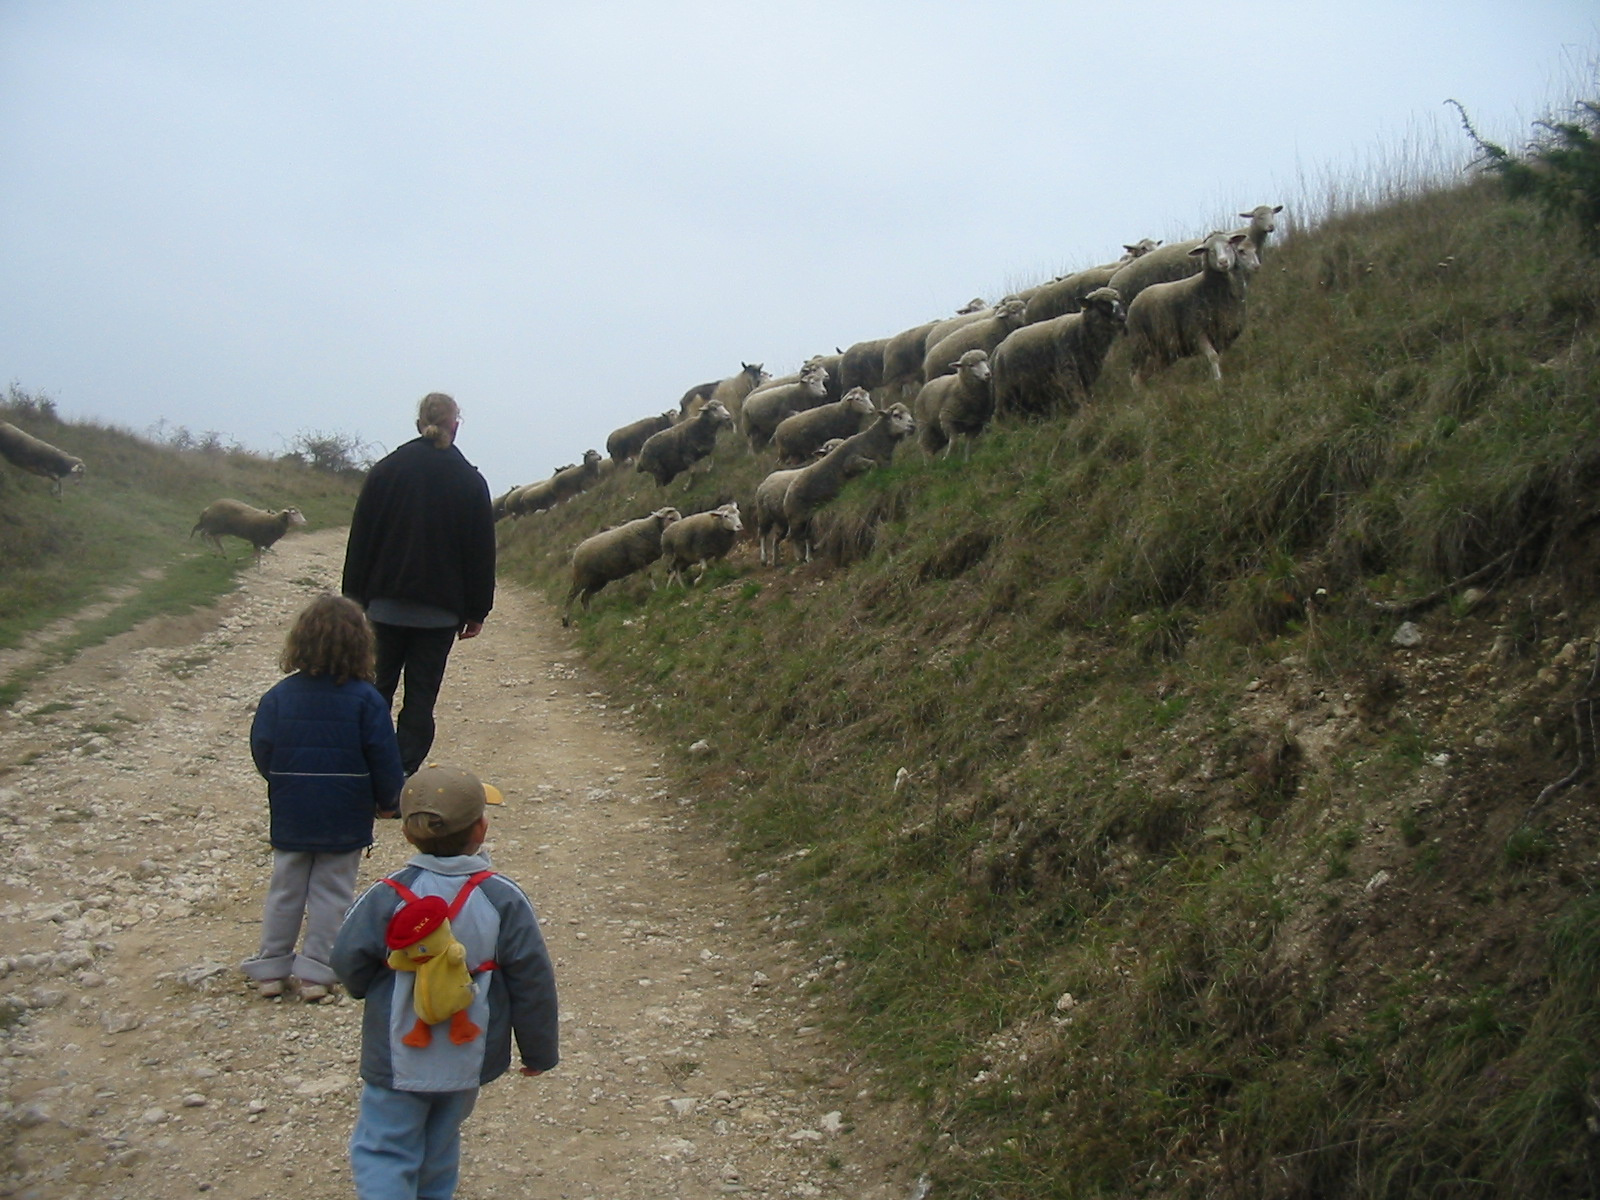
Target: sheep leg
[1212,357]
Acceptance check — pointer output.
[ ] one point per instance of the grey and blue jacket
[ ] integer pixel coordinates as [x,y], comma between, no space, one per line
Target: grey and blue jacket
[516,992]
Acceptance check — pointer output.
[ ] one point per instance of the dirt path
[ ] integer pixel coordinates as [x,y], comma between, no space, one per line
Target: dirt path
[134,1061]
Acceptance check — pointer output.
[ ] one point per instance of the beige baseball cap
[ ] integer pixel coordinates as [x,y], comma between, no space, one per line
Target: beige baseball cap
[440,800]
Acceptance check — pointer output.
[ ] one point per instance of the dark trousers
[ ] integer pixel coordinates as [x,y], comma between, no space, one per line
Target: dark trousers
[420,654]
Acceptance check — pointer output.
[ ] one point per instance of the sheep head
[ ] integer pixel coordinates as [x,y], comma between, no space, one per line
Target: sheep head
[591,456]
[716,413]
[900,420]
[1261,217]
[858,399]
[1220,251]
[975,363]
[295,516]
[1108,302]
[666,516]
[728,514]
[1139,249]
[1010,310]
[976,304]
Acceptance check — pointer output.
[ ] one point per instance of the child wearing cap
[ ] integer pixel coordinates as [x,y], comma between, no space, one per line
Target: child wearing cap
[323,740]
[420,1077]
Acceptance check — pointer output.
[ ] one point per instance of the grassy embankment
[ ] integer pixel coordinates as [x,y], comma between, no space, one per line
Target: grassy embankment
[123,533]
[1198,885]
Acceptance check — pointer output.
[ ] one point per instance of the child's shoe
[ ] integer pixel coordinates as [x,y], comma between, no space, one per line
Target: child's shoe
[315,993]
[269,989]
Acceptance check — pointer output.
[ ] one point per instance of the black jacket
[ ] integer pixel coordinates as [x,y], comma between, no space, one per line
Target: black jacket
[423,531]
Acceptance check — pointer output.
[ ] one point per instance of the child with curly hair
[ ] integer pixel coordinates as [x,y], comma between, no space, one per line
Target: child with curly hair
[323,740]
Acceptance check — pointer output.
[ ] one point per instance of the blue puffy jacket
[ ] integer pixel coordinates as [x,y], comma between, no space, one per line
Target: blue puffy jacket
[327,751]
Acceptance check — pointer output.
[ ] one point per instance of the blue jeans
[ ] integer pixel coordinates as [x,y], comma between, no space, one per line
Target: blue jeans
[407,1145]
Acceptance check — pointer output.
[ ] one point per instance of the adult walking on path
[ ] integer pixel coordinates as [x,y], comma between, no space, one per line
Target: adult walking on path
[420,560]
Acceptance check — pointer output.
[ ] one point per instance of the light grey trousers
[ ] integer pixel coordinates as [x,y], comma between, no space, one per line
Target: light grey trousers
[315,890]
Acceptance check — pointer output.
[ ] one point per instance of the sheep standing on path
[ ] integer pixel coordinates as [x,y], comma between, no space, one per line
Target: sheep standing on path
[625,443]
[699,538]
[1053,366]
[952,405]
[1203,314]
[38,457]
[667,454]
[983,334]
[614,554]
[233,518]
[817,484]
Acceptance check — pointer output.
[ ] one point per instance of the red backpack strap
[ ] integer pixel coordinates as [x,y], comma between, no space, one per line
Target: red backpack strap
[466,890]
[407,896]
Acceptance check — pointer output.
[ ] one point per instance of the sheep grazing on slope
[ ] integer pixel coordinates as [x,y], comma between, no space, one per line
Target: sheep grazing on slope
[614,554]
[28,453]
[952,405]
[861,366]
[699,539]
[799,434]
[667,454]
[1202,314]
[1053,366]
[232,518]
[570,481]
[770,526]
[817,484]
[624,443]
[1065,294]
[764,409]
[1177,260]
[983,334]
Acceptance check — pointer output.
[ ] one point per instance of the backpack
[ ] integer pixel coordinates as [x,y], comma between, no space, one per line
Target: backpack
[419,939]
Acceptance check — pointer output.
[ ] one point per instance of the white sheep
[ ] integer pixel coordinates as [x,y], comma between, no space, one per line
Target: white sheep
[799,434]
[625,443]
[667,454]
[861,366]
[37,457]
[903,353]
[1202,314]
[699,538]
[1065,293]
[770,526]
[614,554]
[821,481]
[1177,260]
[1054,365]
[766,407]
[730,391]
[953,405]
[233,518]
[984,334]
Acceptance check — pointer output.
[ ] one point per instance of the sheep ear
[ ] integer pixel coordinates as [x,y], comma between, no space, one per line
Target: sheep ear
[1198,250]
[1237,238]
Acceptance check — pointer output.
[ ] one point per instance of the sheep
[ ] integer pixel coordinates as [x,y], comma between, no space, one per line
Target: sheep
[730,391]
[233,518]
[614,554]
[984,334]
[570,481]
[763,409]
[498,505]
[38,457]
[699,539]
[666,454]
[902,354]
[770,526]
[821,481]
[1065,293]
[862,365]
[532,497]
[954,404]
[798,434]
[1177,260]
[624,443]
[1055,363]
[1202,314]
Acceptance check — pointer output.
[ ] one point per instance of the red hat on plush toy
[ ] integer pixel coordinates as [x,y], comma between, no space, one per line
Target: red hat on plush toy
[415,921]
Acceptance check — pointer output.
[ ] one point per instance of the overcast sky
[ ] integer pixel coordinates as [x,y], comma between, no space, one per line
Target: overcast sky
[268,219]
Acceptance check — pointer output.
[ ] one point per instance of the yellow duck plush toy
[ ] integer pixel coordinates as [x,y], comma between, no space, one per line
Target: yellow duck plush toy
[420,940]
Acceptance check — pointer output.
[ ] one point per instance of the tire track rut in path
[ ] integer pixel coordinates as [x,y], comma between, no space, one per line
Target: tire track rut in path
[135,1062]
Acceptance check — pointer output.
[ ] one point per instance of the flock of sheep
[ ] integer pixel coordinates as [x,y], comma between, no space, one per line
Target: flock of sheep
[1036,352]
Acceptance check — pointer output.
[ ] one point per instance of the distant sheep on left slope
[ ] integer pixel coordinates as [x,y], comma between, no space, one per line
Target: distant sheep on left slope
[233,518]
[38,457]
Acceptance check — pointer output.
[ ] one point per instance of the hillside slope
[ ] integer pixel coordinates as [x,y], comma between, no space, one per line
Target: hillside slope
[121,536]
[1197,882]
